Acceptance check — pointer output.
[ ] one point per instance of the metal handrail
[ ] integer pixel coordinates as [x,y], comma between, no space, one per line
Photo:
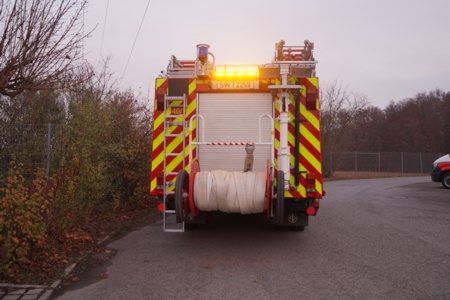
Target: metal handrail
[230,143]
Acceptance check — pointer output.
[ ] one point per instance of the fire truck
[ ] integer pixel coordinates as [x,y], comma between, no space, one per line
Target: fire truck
[238,139]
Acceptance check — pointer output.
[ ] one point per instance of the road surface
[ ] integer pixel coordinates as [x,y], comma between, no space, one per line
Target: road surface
[372,239]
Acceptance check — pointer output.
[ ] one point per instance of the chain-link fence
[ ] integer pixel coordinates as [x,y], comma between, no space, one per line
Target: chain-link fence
[35,146]
[401,162]
[30,145]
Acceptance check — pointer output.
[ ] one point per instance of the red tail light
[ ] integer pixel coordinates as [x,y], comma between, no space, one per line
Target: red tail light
[311,211]
[316,203]
[160,183]
[310,185]
[161,207]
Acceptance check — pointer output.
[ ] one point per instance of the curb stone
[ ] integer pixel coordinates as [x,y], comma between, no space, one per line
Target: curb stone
[42,292]
[22,292]
[31,292]
[58,282]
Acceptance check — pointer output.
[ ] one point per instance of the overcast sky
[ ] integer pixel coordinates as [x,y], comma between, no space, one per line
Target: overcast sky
[387,50]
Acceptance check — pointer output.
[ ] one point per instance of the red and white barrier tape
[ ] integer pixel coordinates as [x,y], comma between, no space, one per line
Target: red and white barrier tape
[229,143]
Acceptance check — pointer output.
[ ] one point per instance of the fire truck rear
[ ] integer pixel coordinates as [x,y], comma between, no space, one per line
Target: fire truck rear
[238,139]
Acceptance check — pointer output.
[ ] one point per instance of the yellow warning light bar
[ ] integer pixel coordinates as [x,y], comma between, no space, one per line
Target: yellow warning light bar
[236,71]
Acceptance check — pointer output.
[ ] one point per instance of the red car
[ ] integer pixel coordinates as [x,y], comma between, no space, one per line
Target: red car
[441,171]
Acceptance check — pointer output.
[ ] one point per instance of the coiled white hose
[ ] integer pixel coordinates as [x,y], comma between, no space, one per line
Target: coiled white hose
[230,192]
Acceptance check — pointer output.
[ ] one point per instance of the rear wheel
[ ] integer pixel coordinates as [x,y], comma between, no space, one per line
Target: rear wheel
[446,180]
[181,196]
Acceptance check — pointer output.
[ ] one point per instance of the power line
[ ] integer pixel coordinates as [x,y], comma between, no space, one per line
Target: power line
[135,40]
[104,27]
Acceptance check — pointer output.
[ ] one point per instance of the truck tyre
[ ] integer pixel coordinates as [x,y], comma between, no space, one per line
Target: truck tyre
[181,203]
[446,180]
[279,212]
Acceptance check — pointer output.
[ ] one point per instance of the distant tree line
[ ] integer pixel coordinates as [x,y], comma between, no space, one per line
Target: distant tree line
[418,124]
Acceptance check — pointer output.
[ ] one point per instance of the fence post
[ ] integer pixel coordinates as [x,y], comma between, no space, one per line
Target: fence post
[379,162]
[49,147]
[401,153]
[421,164]
[331,163]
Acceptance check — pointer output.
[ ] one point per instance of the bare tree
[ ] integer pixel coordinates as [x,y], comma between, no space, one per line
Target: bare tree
[40,44]
[339,110]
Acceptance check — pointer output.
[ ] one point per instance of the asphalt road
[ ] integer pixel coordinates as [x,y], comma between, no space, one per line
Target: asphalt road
[372,239]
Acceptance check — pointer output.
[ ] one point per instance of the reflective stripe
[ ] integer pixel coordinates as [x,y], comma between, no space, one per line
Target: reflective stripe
[310,146]
[173,144]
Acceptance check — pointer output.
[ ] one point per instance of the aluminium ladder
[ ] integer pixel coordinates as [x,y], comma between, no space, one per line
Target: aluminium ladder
[172,121]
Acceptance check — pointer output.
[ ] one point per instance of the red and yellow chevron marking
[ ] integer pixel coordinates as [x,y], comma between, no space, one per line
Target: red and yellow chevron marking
[174,144]
[310,149]
[310,146]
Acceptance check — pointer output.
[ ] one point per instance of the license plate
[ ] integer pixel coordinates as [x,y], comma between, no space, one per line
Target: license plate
[234,84]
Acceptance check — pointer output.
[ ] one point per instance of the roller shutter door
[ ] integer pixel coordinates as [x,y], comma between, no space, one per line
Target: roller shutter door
[234,117]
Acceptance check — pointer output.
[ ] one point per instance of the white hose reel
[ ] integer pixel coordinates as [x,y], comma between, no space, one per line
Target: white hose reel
[230,192]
